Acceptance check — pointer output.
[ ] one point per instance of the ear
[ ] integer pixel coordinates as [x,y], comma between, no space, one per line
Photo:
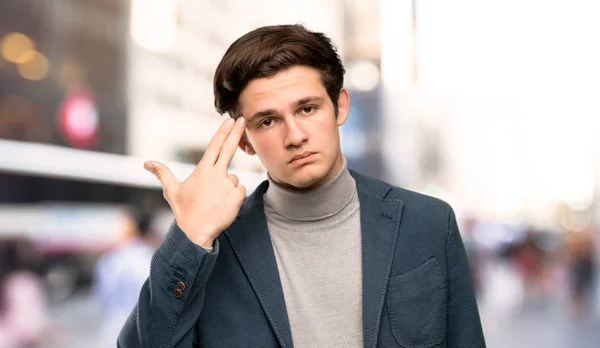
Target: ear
[343,106]
[245,146]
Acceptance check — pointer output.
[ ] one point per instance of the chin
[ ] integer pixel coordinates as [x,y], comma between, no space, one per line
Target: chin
[304,184]
[306,181]
[303,178]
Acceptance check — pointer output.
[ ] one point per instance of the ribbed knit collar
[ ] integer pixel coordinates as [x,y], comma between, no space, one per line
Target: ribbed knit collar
[319,203]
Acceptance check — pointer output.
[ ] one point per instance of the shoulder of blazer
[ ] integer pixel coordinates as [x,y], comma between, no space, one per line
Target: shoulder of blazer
[254,199]
[385,190]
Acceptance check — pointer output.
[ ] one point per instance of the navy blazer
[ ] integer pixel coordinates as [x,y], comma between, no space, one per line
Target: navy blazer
[417,289]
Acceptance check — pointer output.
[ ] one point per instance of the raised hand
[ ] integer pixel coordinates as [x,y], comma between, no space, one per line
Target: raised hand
[207,202]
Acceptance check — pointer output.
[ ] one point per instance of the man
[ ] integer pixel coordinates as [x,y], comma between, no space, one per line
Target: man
[318,255]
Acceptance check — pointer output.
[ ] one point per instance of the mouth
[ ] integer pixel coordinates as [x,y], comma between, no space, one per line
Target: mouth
[302,156]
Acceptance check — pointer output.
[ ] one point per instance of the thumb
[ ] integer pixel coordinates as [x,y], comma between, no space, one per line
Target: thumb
[162,173]
[242,191]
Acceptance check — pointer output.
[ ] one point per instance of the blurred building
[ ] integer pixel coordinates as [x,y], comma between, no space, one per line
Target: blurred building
[478,115]
[62,84]
[64,73]
[361,134]
[62,104]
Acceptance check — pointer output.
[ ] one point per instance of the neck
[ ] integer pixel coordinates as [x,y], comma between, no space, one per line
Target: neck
[315,203]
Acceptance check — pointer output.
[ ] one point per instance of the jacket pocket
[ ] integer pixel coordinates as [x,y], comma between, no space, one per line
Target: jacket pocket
[416,303]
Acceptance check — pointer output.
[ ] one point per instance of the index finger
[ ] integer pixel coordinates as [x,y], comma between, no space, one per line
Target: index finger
[231,143]
[216,142]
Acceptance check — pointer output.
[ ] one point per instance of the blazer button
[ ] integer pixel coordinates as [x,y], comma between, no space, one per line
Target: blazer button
[181,286]
[177,293]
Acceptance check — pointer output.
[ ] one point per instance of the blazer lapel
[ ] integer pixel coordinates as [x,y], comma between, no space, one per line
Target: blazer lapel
[380,221]
[250,240]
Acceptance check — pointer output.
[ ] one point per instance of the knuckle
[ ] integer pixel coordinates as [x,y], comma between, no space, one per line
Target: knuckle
[213,146]
[232,148]
[221,135]
[161,173]
[228,146]
[167,193]
[226,151]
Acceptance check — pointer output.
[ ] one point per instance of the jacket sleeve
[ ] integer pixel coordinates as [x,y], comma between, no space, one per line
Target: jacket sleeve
[463,323]
[160,318]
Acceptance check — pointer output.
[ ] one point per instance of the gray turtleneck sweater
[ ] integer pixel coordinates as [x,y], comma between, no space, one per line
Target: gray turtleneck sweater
[317,242]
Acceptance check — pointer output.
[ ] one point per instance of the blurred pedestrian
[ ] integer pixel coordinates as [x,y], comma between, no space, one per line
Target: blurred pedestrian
[582,270]
[121,272]
[529,260]
[23,307]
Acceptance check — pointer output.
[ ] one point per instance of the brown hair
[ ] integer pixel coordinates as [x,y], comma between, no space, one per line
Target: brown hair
[268,50]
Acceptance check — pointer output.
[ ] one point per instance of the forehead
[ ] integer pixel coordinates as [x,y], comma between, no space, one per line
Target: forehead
[282,88]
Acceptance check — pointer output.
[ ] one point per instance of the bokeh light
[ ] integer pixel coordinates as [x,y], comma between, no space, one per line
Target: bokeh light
[35,69]
[14,45]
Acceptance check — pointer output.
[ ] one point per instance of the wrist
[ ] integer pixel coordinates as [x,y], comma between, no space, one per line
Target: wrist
[203,238]
[204,242]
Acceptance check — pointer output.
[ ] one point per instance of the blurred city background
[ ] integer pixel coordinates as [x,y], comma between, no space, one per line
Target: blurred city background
[490,105]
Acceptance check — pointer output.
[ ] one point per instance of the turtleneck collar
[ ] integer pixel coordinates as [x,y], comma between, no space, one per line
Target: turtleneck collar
[315,204]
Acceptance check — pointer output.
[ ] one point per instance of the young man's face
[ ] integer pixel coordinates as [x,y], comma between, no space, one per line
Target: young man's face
[292,127]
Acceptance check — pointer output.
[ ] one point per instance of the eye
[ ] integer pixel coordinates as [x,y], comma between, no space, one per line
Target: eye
[307,109]
[267,123]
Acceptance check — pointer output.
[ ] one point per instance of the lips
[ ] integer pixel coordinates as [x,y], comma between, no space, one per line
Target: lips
[301,156]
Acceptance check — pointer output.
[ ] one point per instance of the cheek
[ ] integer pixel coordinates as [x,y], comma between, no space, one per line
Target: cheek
[264,144]
[326,131]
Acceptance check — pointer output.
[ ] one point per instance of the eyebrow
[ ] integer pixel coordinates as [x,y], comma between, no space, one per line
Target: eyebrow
[308,100]
[297,103]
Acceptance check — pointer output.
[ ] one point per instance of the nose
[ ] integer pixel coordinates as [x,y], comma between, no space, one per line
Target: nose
[295,135]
